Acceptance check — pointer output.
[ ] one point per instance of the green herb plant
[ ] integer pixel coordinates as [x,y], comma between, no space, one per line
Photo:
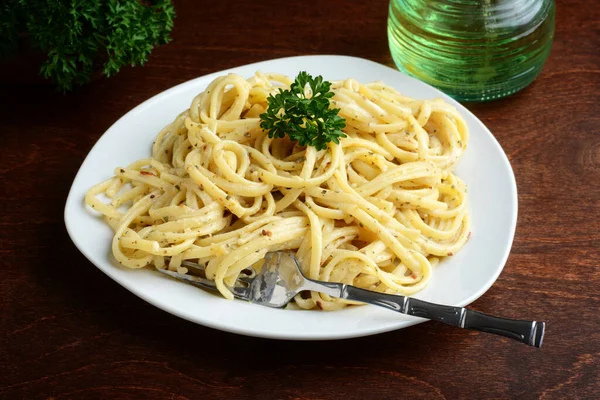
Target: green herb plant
[80,37]
[303,113]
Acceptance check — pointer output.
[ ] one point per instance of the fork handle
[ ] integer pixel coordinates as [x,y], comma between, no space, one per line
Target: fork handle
[528,332]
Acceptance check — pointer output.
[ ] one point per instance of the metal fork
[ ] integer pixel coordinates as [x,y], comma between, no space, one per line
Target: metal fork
[281,278]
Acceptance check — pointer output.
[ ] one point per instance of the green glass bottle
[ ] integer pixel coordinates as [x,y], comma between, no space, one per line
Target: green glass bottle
[473,50]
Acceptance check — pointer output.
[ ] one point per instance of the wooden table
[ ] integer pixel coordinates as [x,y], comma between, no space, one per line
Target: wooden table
[69,332]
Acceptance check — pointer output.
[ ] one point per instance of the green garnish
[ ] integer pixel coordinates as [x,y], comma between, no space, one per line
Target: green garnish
[83,38]
[306,119]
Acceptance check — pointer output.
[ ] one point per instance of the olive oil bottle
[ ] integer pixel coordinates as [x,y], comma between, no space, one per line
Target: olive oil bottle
[473,50]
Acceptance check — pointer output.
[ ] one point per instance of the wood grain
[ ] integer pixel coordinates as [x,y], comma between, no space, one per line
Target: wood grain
[69,332]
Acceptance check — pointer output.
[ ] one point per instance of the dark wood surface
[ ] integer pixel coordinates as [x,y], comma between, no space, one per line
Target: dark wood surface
[69,332]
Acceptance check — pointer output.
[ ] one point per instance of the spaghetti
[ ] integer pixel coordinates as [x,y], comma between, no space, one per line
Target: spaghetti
[378,210]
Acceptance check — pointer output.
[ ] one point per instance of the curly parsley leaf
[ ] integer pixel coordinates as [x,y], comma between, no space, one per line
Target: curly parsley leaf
[303,113]
[84,37]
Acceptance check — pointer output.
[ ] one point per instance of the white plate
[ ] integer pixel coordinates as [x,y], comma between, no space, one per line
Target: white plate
[458,280]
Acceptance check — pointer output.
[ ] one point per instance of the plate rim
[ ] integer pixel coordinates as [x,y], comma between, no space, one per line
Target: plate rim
[306,335]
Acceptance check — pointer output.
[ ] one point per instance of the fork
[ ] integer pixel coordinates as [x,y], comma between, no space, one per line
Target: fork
[281,278]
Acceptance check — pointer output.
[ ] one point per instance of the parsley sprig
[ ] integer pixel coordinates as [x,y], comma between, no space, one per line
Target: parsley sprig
[303,113]
[80,38]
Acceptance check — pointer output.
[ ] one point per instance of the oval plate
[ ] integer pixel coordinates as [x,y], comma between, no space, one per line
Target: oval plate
[457,280]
